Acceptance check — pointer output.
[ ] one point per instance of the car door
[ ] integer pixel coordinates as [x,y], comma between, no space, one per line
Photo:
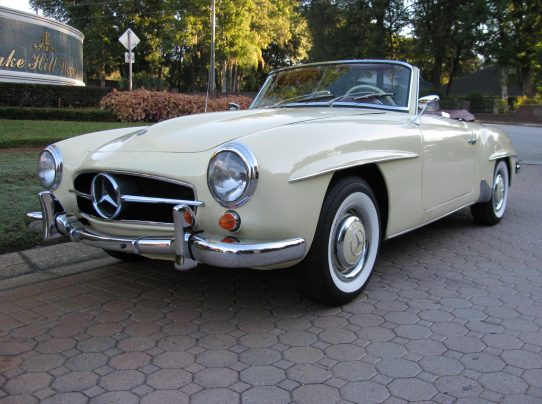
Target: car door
[449,164]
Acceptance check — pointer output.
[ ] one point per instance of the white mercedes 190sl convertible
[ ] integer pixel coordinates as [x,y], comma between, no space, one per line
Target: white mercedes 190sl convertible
[330,159]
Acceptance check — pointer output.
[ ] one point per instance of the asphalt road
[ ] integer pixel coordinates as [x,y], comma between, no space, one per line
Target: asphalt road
[527,141]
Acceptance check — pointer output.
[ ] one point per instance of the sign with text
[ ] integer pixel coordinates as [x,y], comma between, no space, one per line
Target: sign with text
[127,57]
[29,49]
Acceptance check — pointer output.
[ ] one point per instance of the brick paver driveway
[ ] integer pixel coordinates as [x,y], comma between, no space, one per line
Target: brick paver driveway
[453,313]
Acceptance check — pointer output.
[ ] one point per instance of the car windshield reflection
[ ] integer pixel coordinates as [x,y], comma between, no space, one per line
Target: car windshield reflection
[362,84]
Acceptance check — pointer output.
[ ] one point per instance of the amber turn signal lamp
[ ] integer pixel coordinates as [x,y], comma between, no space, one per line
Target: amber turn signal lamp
[188,218]
[230,221]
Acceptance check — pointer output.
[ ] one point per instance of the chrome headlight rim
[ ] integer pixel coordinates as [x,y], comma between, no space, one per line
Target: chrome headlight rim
[58,166]
[249,160]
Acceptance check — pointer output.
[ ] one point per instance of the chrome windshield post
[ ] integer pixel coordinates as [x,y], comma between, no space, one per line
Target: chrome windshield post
[183,260]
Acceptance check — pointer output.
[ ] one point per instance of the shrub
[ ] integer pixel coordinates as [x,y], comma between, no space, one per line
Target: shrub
[42,95]
[57,114]
[153,106]
[525,100]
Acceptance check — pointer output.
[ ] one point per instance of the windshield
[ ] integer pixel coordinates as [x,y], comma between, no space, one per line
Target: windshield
[383,85]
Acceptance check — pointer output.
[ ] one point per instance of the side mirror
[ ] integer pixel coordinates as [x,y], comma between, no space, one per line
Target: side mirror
[232,106]
[428,103]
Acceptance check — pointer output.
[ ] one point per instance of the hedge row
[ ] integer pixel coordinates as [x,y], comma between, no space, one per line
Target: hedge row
[155,106]
[42,95]
[57,114]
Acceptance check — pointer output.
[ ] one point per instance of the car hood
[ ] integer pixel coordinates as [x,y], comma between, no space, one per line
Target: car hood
[197,133]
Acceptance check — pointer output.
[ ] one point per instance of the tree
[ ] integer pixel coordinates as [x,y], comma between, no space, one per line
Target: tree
[514,39]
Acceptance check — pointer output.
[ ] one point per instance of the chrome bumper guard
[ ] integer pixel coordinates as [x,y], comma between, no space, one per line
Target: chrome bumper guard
[189,248]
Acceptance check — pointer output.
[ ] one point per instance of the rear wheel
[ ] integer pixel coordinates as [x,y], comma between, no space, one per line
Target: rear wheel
[344,250]
[491,212]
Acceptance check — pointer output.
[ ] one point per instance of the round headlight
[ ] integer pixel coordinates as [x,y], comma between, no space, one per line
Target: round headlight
[232,175]
[50,167]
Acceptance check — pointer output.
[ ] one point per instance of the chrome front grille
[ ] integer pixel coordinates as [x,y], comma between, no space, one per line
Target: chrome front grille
[139,197]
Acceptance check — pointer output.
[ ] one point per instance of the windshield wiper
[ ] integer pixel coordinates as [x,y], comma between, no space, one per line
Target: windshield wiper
[375,95]
[362,96]
[305,97]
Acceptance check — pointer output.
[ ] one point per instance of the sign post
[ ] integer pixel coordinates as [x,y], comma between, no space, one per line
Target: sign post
[130,40]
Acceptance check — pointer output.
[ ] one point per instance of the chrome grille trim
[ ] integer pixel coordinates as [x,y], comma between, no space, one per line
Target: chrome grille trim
[81,194]
[143,175]
[147,200]
[136,222]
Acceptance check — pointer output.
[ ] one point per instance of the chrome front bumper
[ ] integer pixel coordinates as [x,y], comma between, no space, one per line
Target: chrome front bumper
[188,248]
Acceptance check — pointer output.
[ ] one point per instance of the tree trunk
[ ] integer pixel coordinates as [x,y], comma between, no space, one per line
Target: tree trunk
[224,87]
[503,76]
[235,86]
[437,71]
[230,78]
[453,71]
[527,81]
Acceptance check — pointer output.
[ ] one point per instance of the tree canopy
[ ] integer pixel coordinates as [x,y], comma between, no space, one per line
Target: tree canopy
[444,38]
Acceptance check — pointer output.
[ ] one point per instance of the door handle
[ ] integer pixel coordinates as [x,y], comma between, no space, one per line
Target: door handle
[472,141]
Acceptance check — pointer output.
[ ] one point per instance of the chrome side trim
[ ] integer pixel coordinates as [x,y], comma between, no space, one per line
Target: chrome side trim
[395,155]
[501,154]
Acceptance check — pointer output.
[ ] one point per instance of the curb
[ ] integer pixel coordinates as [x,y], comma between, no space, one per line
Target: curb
[43,263]
[534,125]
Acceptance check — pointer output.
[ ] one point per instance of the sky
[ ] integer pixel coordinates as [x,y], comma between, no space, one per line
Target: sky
[17,4]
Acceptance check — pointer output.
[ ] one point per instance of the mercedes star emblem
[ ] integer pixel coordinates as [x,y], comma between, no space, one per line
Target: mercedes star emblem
[106,197]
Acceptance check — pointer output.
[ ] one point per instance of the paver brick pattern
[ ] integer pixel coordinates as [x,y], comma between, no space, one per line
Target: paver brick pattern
[452,313]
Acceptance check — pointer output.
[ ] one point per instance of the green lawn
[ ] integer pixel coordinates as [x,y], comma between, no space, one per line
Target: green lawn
[15,133]
[19,189]
[19,185]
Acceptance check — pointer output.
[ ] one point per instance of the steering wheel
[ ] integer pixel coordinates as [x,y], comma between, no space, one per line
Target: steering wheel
[366,88]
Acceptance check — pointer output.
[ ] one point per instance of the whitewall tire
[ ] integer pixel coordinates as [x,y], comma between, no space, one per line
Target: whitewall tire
[345,247]
[491,212]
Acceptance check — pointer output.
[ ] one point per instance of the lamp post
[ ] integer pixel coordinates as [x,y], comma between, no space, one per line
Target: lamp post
[212,64]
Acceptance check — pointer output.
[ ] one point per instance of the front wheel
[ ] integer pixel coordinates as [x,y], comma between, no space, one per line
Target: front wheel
[344,250]
[491,212]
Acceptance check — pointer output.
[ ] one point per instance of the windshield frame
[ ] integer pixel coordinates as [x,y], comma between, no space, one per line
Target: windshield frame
[336,104]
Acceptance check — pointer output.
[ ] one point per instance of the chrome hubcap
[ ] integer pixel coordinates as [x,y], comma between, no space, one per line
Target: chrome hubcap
[498,192]
[351,246]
